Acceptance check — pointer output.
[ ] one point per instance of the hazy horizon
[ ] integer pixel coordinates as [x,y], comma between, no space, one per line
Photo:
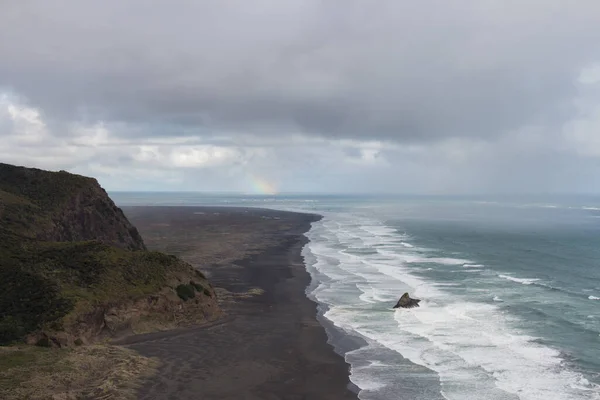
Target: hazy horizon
[490,194]
[579,200]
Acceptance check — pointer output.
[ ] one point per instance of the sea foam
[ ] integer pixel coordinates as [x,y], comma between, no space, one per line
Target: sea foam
[472,346]
[523,281]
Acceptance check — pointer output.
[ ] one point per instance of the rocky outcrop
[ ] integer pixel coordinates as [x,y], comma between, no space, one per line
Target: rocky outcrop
[63,207]
[406,302]
[73,268]
[91,215]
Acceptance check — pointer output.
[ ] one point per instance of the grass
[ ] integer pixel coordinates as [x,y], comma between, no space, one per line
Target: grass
[14,358]
[21,216]
[55,280]
[47,285]
[48,190]
[8,198]
[30,197]
[99,371]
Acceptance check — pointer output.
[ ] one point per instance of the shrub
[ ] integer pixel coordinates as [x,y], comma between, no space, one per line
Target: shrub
[207,293]
[28,302]
[11,329]
[185,292]
[44,342]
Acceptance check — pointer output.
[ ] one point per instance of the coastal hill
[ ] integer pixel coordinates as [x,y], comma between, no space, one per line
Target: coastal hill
[74,269]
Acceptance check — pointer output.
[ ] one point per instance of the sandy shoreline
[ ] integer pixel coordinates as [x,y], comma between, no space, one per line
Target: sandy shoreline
[270,344]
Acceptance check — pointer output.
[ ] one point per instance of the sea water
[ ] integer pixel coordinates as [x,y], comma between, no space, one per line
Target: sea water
[510,291]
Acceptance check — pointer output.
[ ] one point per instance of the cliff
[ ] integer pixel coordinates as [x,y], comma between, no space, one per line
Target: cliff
[58,206]
[73,268]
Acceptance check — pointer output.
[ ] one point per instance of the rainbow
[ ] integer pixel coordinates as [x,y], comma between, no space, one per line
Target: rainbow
[261,185]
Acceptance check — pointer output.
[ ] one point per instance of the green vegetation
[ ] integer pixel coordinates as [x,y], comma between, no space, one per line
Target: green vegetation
[44,342]
[28,301]
[30,197]
[46,285]
[48,190]
[51,282]
[18,358]
[185,292]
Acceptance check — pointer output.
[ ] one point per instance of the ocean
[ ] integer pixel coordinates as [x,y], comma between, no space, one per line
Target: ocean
[509,289]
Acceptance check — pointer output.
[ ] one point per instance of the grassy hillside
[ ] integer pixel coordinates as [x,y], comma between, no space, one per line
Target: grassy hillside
[29,197]
[51,284]
[49,190]
[47,285]
[58,206]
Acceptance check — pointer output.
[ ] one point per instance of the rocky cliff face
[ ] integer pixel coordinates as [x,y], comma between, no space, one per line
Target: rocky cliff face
[73,268]
[90,214]
[72,207]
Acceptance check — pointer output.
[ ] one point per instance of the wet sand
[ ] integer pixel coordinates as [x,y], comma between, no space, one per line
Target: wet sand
[267,346]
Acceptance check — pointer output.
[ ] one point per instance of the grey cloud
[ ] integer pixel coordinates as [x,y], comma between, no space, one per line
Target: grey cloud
[398,70]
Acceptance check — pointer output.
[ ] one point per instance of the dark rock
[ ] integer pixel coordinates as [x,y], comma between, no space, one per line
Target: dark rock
[406,302]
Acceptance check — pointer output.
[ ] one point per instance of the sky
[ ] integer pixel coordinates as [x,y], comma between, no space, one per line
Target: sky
[265,96]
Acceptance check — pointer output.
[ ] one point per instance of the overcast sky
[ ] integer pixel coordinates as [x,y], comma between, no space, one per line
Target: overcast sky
[428,96]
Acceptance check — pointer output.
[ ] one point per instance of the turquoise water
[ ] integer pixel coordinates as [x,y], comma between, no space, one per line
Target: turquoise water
[510,291]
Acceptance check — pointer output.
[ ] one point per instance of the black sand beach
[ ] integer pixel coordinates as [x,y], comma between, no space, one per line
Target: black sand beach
[268,345]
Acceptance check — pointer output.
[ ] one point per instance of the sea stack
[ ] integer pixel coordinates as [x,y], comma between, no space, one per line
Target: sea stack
[406,302]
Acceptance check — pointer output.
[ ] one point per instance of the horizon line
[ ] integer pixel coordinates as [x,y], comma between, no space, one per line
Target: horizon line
[226,192]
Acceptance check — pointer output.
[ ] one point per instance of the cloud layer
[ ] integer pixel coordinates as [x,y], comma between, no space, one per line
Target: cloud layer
[430,96]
